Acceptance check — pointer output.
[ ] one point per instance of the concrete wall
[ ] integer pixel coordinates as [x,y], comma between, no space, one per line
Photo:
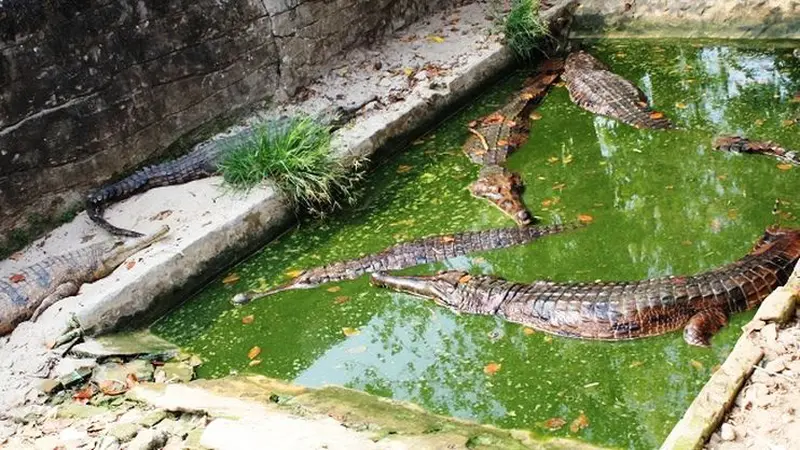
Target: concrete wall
[93,88]
[734,19]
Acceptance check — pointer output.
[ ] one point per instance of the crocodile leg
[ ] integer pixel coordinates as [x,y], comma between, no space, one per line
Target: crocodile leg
[64,290]
[70,336]
[703,325]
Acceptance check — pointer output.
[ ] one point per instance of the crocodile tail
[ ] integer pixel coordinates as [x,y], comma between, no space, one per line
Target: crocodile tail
[97,201]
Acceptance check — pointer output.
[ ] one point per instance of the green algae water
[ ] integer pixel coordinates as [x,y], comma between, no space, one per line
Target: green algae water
[662,202]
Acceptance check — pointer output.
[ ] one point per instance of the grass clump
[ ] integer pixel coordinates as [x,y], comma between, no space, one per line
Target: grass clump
[296,154]
[524,28]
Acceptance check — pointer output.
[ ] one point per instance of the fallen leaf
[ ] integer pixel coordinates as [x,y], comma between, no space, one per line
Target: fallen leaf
[567,159]
[247,320]
[696,364]
[465,278]
[112,387]
[502,142]
[759,122]
[254,362]
[493,118]
[404,168]
[230,279]
[635,364]
[656,115]
[448,239]
[408,71]
[546,203]
[294,273]
[722,177]
[680,105]
[129,265]
[16,278]
[162,215]
[437,39]
[642,104]
[334,289]
[492,368]
[552,160]
[548,338]
[789,122]
[716,225]
[348,331]
[528,331]
[255,351]
[784,166]
[85,393]
[555,423]
[559,186]
[341,299]
[585,218]
[579,423]
[535,116]
[686,242]
[131,380]
[526,96]
[732,214]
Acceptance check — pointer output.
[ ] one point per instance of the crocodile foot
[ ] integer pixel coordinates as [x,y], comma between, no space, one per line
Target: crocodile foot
[71,336]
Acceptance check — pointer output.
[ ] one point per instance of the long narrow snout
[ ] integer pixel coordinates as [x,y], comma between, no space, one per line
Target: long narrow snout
[117,255]
[422,286]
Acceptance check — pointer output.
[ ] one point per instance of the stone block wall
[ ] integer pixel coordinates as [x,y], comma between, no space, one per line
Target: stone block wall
[90,89]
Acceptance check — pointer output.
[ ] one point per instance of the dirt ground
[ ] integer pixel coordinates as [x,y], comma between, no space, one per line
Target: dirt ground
[766,413]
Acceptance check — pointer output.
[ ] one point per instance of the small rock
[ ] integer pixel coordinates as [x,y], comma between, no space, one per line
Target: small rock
[69,365]
[770,332]
[775,366]
[107,443]
[77,411]
[72,435]
[75,377]
[124,432]
[726,432]
[173,372]
[153,418]
[49,386]
[421,75]
[148,440]
[174,443]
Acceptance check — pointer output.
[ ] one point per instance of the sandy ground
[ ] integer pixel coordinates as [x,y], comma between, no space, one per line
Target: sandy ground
[766,413]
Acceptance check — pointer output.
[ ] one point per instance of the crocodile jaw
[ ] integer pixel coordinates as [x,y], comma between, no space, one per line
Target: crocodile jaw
[117,255]
[440,288]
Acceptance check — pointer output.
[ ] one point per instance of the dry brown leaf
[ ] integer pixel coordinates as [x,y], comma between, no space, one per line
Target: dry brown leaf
[492,368]
[784,166]
[230,279]
[526,96]
[554,423]
[732,214]
[16,278]
[656,115]
[341,299]
[546,203]
[131,380]
[334,289]
[585,218]
[247,320]
[579,423]
[348,331]
[85,393]
[113,387]
[404,168]
[465,278]
[255,351]
[502,142]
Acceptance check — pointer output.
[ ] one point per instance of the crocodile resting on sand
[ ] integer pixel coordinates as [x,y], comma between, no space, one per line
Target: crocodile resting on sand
[593,87]
[737,144]
[699,304]
[25,295]
[495,136]
[408,254]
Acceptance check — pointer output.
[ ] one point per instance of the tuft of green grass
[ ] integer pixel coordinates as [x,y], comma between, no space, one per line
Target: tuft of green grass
[296,154]
[524,28]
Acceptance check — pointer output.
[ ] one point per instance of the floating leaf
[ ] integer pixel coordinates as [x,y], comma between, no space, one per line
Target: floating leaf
[129,265]
[680,105]
[567,159]
[348,331]
[16,278]
[579,423]
[696,364]
[784,166]
[559,186]
[759,122]
[535,116]
[492,368]
[635,364]
[585,218]
[552,159]
[404,168]
[294,273]
[255,351]
[465,278]
[732,214]
[334,289]
[247,320]
[254,362]
[341,299]
[437,39]
[528,331]
[554,423]
[230,279]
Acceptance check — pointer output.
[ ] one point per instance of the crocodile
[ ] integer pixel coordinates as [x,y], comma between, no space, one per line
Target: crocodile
[28,293]
[408,254]
[738,144]
[593,87]
[495,136]
[700,304]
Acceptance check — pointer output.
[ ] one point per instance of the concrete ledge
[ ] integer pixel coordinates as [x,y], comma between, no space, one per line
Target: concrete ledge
[213,227]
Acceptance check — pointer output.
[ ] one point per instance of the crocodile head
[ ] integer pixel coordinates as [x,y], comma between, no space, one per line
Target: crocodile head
[733,144]
[119,253]
[580,60]
[504,190]
[441,287]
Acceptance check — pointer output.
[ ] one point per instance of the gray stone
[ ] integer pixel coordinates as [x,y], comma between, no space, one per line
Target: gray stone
[69,365]
[174,372]
[153,418]
[726,432]
[124,432]
[78,411]
[148,440]
[50,386]
[126,344]
[108,443]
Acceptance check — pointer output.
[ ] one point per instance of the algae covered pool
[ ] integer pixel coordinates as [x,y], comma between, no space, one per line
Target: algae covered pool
[661,202]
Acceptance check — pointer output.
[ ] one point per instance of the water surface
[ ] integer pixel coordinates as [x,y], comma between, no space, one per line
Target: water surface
[662,203]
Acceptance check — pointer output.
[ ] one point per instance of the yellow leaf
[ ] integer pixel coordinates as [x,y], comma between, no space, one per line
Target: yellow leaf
[334,289]
[294,273]
[535,116]
[248,319]
[230,279]
[492,368]
[579,423]
[347,331]
[437,39]
[696,364]
[552,160]
[255,351]
[408,71]
[784,166]
[254,362]
[635,364]
[567,159]
[528,331]
[732,214]
[680,105]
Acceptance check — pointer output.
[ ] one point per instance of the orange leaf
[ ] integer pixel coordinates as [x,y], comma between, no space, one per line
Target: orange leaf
[129,265]
[585,218]
[85,393]
[465,278]
[656,115]
[341,299]
[255,351]
[528,331]
[784,166]
[16,278]
[334,289]
[555,423]
[348,331]
[492,368]
[247,320]
[254,362]
[546,203]
[579,423]
[448,239]
[230,279]
[535,116]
